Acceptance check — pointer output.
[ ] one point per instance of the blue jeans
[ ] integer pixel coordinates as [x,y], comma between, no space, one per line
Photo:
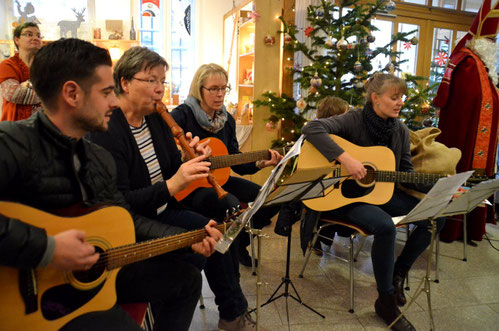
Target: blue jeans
[378,221]
[220,271]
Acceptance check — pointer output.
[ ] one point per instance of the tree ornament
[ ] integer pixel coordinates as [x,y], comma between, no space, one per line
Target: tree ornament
[288,39]
[342,44]
[390,6]
[390,68]
[329,42]
[301,104]
[319,13]
[269,40]
[357,66]
[312,90]
[371,38]
[358,84]
[363,41]
[316,81]
[414,40]
[309,31]
[270,126]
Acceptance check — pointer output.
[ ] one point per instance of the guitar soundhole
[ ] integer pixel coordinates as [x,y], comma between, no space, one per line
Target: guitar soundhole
[351,190]
[370,177]
[88,276]
[62,300]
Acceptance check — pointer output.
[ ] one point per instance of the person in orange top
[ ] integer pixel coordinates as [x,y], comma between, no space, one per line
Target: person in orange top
[19,99]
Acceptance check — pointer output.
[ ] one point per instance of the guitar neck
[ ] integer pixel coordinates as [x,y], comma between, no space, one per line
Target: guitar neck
[224,161]
[404,177]
[120,256]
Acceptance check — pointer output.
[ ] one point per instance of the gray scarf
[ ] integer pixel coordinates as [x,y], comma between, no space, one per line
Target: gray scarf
[212,125]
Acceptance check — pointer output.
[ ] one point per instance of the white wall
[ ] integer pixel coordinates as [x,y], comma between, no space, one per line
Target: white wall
[209,19]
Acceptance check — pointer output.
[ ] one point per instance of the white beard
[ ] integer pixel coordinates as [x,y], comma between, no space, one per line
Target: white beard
[487,51]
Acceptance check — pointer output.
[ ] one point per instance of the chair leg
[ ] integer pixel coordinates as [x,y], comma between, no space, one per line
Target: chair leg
[309,252]
[351,261]
[357,252]
[149,319]
[465,238]
[437,258]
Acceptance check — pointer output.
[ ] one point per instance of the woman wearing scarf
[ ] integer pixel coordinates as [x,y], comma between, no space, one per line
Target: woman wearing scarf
[204,115]
[377,125]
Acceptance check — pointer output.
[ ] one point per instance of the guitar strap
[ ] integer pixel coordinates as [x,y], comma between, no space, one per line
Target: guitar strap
[28,289]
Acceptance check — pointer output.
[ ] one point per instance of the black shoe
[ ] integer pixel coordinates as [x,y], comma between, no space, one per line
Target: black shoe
[245,258]
[398,283]
[386,308]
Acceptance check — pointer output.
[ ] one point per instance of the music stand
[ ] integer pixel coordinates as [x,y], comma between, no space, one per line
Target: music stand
[430,208]
[303,184]
[468,201]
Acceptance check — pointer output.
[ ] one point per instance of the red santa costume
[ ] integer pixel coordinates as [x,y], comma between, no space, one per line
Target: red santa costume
[469,109]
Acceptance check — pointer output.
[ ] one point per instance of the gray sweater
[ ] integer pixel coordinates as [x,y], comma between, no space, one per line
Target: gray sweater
[351,126]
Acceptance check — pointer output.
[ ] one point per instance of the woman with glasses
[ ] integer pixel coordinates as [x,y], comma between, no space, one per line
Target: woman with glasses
[19,99]
[150,171]
[204,115]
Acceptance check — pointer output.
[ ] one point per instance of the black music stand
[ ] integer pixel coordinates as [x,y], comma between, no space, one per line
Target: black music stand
[437,200]
[302,185]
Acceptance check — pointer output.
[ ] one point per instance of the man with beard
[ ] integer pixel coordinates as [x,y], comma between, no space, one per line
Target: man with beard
[469,109]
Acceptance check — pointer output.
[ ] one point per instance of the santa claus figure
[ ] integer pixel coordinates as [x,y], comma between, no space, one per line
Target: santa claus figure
[469,109]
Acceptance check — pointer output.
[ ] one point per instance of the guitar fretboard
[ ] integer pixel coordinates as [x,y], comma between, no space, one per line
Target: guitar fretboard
[123,255]
[403,177]
[224,161]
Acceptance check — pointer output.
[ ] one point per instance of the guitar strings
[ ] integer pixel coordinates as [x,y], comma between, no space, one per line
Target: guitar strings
[136,251]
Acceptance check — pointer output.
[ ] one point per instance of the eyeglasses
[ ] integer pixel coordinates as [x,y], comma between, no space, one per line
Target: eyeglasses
[31,35]
[152,82]
[215,90]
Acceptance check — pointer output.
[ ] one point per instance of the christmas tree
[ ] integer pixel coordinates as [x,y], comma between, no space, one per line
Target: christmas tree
[418,110]
[340,53]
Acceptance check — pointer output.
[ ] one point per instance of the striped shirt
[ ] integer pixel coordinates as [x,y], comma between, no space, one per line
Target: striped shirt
[143,138]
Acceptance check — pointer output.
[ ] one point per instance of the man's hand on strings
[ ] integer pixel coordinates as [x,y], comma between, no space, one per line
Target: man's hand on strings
[207,246]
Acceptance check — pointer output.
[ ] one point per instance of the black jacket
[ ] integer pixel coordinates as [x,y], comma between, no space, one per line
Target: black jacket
[185,119]
[134,180]
[37,168]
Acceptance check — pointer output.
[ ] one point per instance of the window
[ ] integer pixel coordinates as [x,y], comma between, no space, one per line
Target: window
[471,5]
[182,47]
[447,4]
[43,11]
[440,53]
[150,25]
[409,51]
[382,38]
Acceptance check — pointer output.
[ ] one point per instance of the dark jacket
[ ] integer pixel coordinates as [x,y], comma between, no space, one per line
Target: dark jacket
[134,180]
[185,119]
[37,168]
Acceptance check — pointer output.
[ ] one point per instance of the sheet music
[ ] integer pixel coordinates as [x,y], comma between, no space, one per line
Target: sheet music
[289,192]
[472,198]
[223,244]
[436,199]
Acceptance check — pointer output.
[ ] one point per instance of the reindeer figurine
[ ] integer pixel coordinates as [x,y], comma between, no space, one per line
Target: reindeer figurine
[72,26]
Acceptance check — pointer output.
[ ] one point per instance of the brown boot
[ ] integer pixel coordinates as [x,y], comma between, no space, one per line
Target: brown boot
[399,277]
[241,323]
[386,308]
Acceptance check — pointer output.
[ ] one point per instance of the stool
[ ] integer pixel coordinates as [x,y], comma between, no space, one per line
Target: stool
[141,313]
[353,232]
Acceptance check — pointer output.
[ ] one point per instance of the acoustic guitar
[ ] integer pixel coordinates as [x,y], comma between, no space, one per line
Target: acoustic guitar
[221,161]
[63,295]
[375,188]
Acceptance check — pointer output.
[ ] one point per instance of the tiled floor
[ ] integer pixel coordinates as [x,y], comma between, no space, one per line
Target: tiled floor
[466,298]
